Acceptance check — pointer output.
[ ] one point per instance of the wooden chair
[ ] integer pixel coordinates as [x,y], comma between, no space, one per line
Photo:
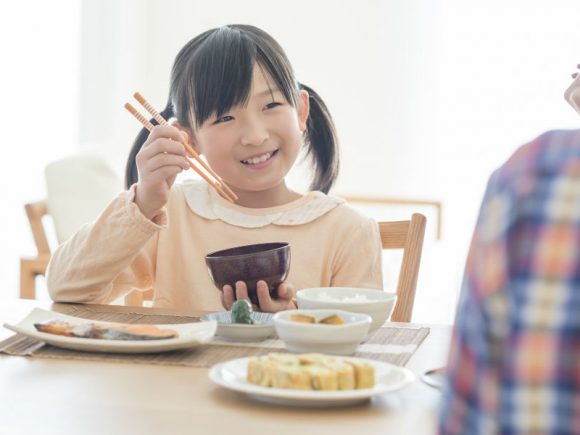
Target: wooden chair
[31,267]
[406,235]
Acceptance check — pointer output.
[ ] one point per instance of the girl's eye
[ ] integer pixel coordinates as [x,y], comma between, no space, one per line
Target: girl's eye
[223,119]
[272,105]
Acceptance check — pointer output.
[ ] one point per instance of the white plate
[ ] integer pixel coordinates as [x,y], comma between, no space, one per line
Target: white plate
[232,375]
[263,329]
[190,335]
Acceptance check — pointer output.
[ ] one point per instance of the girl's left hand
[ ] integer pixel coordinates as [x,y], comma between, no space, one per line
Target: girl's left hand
[286,293]
[284,301]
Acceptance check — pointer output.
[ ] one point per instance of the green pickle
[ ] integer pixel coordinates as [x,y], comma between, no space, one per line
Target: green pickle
[242,312]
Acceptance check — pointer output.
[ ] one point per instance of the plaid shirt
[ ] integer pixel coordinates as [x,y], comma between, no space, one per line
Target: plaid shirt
[514,364]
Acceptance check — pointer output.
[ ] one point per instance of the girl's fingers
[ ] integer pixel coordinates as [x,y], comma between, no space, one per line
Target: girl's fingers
[228,298]
[163,174]
[266,302]
[223,301]
[162,146]
[162,160]
[164,131]
[241,291]
[170,181]
[286,291]
[285,294]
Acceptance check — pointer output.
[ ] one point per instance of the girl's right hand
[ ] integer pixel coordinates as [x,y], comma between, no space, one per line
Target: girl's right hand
[160,159]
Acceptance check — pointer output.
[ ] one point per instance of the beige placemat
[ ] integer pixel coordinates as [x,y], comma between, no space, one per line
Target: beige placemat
[393,344]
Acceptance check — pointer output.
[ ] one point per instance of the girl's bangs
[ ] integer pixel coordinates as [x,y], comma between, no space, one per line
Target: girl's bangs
[221,71]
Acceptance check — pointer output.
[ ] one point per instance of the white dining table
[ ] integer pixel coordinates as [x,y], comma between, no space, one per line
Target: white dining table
[61,396]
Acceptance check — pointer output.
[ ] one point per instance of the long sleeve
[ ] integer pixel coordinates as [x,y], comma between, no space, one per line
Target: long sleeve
[107,258]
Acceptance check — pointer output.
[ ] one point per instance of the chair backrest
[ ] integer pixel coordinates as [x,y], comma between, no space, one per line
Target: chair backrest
[78,188]
[408,236]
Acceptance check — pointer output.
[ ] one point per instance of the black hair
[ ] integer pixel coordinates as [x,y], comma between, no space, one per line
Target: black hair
[213,73]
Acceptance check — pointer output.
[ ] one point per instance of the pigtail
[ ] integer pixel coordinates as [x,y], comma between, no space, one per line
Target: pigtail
[321,142]
[131,174]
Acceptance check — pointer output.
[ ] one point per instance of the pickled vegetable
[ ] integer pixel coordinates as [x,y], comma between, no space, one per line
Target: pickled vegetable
[242,312]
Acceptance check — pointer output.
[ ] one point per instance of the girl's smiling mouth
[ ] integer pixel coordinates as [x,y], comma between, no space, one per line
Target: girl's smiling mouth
[259,160]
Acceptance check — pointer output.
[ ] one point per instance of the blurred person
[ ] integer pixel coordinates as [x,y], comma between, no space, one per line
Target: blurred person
[514,364]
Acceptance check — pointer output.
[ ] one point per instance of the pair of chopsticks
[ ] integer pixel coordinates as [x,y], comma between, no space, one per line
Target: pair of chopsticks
[206,173]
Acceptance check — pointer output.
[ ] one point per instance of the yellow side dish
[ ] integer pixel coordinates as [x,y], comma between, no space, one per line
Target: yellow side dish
[334,319]
[310,371]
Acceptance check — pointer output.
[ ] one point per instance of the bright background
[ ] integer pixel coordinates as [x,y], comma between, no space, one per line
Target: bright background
[429,96]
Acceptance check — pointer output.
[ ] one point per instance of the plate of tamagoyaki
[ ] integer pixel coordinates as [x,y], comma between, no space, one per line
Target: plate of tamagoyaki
[310,379]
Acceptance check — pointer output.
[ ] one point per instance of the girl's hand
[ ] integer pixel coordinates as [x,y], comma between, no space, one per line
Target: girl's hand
[159,161]
[286,293]
[284,301]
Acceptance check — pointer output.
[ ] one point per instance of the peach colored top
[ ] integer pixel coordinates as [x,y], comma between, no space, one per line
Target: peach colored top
[331,245]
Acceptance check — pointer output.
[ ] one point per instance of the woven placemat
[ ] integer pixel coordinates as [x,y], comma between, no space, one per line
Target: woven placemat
[392,344]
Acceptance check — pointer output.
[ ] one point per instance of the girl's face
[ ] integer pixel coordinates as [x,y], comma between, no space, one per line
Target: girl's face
[253,147]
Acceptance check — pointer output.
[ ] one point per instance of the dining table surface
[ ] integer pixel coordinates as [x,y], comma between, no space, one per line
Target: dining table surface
[72,396]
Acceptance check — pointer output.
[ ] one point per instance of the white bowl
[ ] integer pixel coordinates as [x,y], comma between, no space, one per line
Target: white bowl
[319,337]
[378,304]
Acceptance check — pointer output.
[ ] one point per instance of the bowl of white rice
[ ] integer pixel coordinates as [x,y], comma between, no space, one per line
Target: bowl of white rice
[378,304]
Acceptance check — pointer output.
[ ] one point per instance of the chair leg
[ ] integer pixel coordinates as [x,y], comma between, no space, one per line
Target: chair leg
[27,279]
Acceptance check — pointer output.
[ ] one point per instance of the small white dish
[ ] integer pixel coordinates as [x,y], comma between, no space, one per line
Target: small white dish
[378,304]
[190,335]
[388,378]
[262,329]
[319,337]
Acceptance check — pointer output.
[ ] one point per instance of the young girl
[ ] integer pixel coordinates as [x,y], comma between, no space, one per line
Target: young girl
[234,98]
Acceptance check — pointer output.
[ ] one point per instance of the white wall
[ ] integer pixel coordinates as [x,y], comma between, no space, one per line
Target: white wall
[39,44]
[429,96]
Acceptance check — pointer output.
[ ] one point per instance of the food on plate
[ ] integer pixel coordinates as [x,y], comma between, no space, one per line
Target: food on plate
[364,374]
[111,331]
[310,371]
[242,312]
[302,318]
[334,319]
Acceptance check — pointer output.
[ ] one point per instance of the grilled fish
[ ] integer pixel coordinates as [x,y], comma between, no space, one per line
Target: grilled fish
[117,331]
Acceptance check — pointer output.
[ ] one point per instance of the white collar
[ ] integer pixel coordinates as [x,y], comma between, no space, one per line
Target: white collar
[206,202]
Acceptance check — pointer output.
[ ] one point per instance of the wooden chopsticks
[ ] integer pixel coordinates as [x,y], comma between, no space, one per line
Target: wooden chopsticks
[217,183]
